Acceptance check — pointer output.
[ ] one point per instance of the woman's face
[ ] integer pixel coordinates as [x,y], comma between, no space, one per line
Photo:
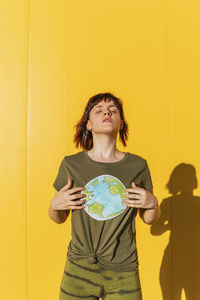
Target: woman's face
[99,112]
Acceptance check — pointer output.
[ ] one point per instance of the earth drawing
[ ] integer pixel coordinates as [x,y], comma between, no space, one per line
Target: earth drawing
[104,197]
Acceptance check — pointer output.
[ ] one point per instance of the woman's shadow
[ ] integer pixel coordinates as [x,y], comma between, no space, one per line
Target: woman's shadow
[180,213]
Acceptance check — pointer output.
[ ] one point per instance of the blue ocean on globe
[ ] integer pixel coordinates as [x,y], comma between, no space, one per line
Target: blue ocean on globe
[104,197]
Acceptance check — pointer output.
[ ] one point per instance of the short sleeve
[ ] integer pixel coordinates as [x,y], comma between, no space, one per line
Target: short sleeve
[146,179]
[61,178]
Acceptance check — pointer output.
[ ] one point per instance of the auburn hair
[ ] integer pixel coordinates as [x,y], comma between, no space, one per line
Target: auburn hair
[82,136]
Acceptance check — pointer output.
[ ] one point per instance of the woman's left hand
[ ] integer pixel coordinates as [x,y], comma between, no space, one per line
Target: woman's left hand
[139,198]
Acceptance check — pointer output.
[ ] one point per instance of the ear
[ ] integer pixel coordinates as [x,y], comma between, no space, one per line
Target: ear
[88,125]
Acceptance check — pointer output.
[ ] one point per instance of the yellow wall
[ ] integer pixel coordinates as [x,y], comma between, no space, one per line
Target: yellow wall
[54,55]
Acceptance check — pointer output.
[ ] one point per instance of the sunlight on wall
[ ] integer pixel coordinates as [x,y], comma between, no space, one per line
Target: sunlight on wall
[53,57]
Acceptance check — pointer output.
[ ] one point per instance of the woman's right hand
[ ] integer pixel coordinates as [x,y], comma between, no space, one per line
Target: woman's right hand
[64,199]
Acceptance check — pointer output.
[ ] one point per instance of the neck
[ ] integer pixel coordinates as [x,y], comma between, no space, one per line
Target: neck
[104,147]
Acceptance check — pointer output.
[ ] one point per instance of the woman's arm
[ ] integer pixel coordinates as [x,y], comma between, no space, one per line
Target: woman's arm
[58,216]
[150,215]
[145,201]
[64,201]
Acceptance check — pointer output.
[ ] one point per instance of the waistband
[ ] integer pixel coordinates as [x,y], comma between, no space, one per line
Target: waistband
[96,259]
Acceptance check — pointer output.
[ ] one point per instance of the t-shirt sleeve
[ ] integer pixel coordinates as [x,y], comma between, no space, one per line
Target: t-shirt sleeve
[61,178]
[146,179]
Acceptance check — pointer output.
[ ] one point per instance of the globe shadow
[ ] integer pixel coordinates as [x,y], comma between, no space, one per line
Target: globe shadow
[180,214]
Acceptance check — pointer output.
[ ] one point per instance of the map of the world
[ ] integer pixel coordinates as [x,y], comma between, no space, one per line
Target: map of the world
[104,197]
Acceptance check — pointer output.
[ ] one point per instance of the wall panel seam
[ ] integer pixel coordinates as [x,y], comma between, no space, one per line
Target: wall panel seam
[169,91]
[27,140]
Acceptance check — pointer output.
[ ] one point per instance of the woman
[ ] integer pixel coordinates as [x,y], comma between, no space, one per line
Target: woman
[103,188]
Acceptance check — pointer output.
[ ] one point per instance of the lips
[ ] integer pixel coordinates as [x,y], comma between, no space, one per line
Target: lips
[107,120]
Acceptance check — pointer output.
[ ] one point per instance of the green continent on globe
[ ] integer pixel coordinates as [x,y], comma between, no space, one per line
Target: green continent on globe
[96,208]
[96,182]
[115,188]
[112,215]
[87,193]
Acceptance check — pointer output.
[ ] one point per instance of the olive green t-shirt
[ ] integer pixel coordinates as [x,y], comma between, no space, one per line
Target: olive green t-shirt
[104,231]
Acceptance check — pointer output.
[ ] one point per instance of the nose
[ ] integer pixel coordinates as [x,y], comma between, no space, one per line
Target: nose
[108,111]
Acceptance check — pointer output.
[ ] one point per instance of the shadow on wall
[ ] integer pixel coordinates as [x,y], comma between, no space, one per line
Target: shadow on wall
[180,213]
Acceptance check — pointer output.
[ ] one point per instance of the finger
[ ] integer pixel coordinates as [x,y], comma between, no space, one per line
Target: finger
[67,186]
[74,202]
[133,185]
[76,196]
[78,202]
[129,204]
[137,190]
[135,201]
[60,208]
[133,204]
[76,189]
[132,196]
[76,207]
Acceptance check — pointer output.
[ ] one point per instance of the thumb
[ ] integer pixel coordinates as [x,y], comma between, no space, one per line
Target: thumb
[133,185]
[67,186]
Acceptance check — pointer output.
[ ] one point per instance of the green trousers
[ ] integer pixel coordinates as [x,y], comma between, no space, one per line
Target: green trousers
[82,280]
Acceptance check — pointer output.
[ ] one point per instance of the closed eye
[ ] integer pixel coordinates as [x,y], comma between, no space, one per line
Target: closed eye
[97,111]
